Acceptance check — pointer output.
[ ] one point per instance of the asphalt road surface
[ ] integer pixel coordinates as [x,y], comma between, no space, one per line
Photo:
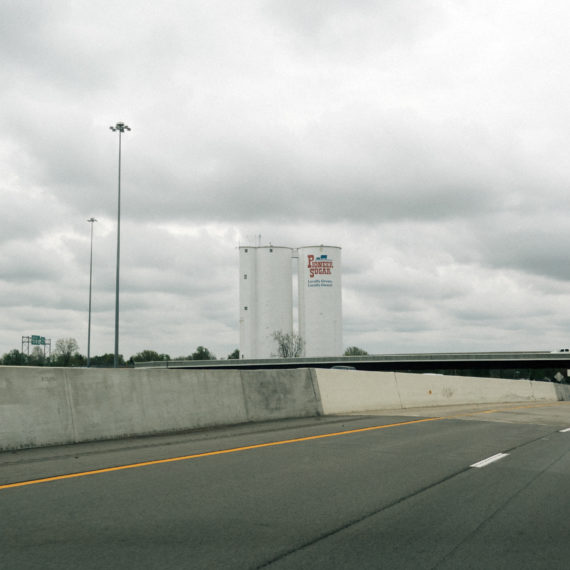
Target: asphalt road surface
[464,487]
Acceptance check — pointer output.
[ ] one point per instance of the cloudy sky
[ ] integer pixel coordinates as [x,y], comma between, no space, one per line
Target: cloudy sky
[427,138]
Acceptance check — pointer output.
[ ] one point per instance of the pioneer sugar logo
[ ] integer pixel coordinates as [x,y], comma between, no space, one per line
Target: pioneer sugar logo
[319,266]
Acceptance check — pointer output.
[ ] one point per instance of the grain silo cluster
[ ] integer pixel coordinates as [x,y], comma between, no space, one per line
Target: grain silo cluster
[266,298]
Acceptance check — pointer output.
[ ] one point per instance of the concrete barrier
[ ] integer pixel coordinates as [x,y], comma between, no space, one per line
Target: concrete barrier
[440,390]
[49,406]
[279,394]
[34,408]
[108,404]
[354,391]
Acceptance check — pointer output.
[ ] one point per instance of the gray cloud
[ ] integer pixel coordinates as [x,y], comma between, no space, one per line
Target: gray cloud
[429,142]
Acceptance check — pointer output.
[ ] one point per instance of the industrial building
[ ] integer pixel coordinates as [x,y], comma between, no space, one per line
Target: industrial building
[266,299]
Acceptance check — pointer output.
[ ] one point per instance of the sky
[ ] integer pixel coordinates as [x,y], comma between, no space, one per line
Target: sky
[427,138]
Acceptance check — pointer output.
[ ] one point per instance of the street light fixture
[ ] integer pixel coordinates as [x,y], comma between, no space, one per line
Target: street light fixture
[120,128]
[90,220]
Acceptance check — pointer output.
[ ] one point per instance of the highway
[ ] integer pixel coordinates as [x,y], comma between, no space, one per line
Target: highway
[400,489]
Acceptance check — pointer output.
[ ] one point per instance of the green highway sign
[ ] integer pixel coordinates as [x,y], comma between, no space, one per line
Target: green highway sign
[37,339]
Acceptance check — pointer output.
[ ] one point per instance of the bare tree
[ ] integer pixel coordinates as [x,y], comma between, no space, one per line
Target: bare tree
[65,351]
[289,345]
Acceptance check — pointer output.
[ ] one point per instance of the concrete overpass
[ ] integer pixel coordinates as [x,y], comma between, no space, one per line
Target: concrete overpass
[461,363]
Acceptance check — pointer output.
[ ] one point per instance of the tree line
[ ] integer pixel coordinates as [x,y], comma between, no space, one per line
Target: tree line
[66,353]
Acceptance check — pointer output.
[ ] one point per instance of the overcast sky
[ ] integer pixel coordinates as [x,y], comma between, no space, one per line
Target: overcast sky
[427,138]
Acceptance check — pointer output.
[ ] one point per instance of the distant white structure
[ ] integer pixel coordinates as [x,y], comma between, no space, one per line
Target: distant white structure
[266,300]
[320,300]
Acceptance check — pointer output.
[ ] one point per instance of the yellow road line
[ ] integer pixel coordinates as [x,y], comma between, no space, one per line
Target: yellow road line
[209,453]
[256,446]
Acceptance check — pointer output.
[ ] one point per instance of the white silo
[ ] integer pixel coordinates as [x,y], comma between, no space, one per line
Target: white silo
[266,298]
[320,300]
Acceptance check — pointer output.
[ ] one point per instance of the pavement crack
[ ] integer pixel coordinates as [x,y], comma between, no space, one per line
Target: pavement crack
[362,518]
[405,498]
[499,509]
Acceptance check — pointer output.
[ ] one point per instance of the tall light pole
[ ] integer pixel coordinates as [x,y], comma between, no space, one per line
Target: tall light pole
[90,220]
[120,128]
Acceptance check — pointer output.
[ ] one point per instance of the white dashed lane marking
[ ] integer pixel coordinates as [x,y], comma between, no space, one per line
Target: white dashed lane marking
[492,459]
